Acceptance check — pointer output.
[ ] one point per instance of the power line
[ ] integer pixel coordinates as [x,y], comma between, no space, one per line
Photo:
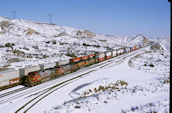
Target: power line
[14,14]
[50,16]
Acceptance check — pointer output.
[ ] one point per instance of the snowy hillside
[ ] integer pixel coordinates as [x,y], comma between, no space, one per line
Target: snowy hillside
[165,44]
[24,43]
[135,82]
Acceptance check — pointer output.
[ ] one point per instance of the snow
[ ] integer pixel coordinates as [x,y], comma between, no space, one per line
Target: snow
[118,86]
[165,44]
[37,43]
[134,82]
[11,89]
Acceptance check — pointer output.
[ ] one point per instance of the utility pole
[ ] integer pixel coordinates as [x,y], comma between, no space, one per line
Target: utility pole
[50,16]
[14,14]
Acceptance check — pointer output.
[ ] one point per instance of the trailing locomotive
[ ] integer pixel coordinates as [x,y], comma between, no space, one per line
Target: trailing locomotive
[31,76]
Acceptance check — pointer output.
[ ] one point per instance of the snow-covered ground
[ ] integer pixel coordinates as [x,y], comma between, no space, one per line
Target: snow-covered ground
[24,43]
[120,85]
[134,82]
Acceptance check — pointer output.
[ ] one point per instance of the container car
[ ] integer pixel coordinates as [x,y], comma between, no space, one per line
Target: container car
[4,84]
[100,57]
[34,75]
[114,53]
[127,49]
[9,79]
[47,66]
[108,55]
[27,70]
[63,62]
[8,75]
[119,51]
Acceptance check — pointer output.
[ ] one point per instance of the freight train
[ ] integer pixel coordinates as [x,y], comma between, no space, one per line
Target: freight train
[31,76]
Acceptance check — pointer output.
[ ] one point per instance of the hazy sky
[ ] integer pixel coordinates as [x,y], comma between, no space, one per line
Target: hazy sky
[114,17]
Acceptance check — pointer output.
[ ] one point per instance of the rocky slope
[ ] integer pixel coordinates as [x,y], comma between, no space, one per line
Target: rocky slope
[24,43]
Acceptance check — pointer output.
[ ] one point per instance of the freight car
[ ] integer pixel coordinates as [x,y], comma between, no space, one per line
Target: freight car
[108,55]
[34,75]
[100,57]
[9,79]
[120,51]
[114,53]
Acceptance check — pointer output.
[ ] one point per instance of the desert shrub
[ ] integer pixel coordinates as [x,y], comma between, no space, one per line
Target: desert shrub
[101,88]
[4,69]
[54,42]
[47,42]
[45,56]
[70,54]
[77,107]
[9,44]
[84,44]
[13,60]
[26,48]
[18,51]
[97,46]
[79,33]
[151,65]
[35,47]
[4,24]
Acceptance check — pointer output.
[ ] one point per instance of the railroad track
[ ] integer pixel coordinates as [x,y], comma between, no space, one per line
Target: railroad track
[36,88]
[26,107]
[117,60]
[12,92]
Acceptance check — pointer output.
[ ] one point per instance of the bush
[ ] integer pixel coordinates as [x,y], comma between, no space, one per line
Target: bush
[4,24]
[45,56]
[151,65]
[47,42]
[35,47]
[84,44]
[70,54]
[54,42]
[77,107]
[9,45]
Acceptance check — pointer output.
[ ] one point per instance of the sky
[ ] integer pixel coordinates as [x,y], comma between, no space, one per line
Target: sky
[111,17]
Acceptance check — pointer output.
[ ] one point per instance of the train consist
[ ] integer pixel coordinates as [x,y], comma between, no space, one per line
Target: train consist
[31,76]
